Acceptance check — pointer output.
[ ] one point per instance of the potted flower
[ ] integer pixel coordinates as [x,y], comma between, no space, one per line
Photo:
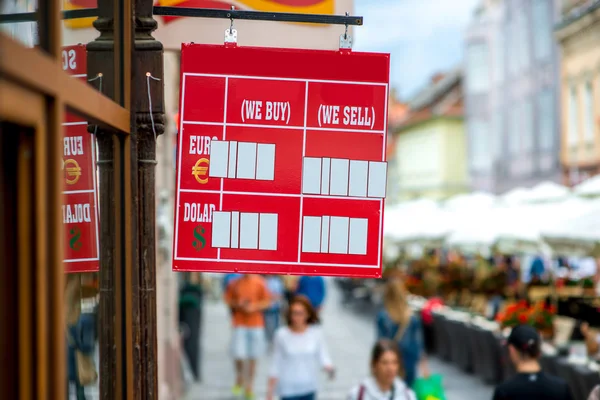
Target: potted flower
[413,284]
[541,317]
[514,314]
[589,287]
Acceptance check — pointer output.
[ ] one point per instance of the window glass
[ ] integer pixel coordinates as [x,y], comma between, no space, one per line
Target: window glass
[498,134]
[522,39]
[514,133]
[480,145]
[499,57]
[573,133]
[527,125]
[589,112]
[477,68]
[511,47]
[24,32]
[542,28]
[546,116]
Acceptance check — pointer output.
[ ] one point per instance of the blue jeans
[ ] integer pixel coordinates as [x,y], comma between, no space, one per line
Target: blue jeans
[310,396]
[272,317]
[82,338]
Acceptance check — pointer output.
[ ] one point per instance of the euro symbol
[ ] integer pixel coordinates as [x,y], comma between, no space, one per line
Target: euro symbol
[200,169]
[72,171]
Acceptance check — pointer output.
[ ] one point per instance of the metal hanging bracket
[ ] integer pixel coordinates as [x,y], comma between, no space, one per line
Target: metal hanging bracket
[345,39]
[231,34]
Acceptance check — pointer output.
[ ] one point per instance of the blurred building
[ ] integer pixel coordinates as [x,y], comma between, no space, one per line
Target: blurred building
[512,94]
[397,111]
[172,31]
[578,33]
[430,154]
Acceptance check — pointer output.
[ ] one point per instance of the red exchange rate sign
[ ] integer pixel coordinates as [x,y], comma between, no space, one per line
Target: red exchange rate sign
[80,208]
[281,161]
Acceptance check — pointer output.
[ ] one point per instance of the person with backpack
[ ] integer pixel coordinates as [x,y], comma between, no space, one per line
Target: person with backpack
[397,322]
[384,383]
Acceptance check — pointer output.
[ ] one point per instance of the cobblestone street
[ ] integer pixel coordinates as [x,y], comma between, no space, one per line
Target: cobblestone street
[349,335]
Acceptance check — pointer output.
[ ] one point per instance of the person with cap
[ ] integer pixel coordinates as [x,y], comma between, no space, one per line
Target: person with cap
[530,382]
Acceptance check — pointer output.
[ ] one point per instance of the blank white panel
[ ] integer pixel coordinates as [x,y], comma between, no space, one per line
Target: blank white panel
[358,236]
[232,159]
[221,229]
[217,167]
[377,179]
[311,238]
[265,162]
[311,175]
[246,160]
[359,171]
[338,235]
[325,235]
[339,177]
[235,229]
[249,231]
[325,175]
[267,232]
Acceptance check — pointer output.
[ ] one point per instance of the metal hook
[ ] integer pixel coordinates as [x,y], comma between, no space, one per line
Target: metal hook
[346,32]
[231,34]
[345,39]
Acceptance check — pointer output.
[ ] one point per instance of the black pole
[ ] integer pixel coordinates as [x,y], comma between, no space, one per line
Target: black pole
[258,15]
[206,13]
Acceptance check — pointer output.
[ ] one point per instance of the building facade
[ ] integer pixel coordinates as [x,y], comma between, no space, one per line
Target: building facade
[511,94]
[397,112]
[430,154]
[578,33]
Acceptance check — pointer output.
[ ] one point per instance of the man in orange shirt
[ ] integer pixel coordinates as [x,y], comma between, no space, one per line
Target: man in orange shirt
[247,297]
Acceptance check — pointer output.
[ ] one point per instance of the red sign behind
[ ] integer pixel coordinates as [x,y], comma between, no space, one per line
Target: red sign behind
[80,208]
[281,161]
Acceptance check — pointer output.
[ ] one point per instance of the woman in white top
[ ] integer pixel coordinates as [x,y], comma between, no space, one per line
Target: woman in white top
[384,383]
[298,355]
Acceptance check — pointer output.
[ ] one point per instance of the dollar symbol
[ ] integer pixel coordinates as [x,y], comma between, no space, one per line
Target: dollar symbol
[74,242]
[200,241]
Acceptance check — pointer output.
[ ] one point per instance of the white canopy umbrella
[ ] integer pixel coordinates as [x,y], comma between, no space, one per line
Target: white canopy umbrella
[515,196]
[578,236]
[419,221]
[476,200]
[589,188]
[513,229]
[547,192]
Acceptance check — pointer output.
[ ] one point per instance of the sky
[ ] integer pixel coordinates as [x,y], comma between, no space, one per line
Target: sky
[423,36]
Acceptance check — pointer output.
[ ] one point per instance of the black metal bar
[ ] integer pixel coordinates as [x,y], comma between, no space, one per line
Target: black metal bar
[32,16]
[206,13]
[257,15]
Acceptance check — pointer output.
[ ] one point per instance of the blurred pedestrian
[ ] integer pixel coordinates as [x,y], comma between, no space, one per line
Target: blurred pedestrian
[530,382]
[312,287]
[81,335]
[300,352]
[273,313]
[592,340]
[397,322]
[247,297]
[290,284]
[595,394]
[383,384]
[228,278]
